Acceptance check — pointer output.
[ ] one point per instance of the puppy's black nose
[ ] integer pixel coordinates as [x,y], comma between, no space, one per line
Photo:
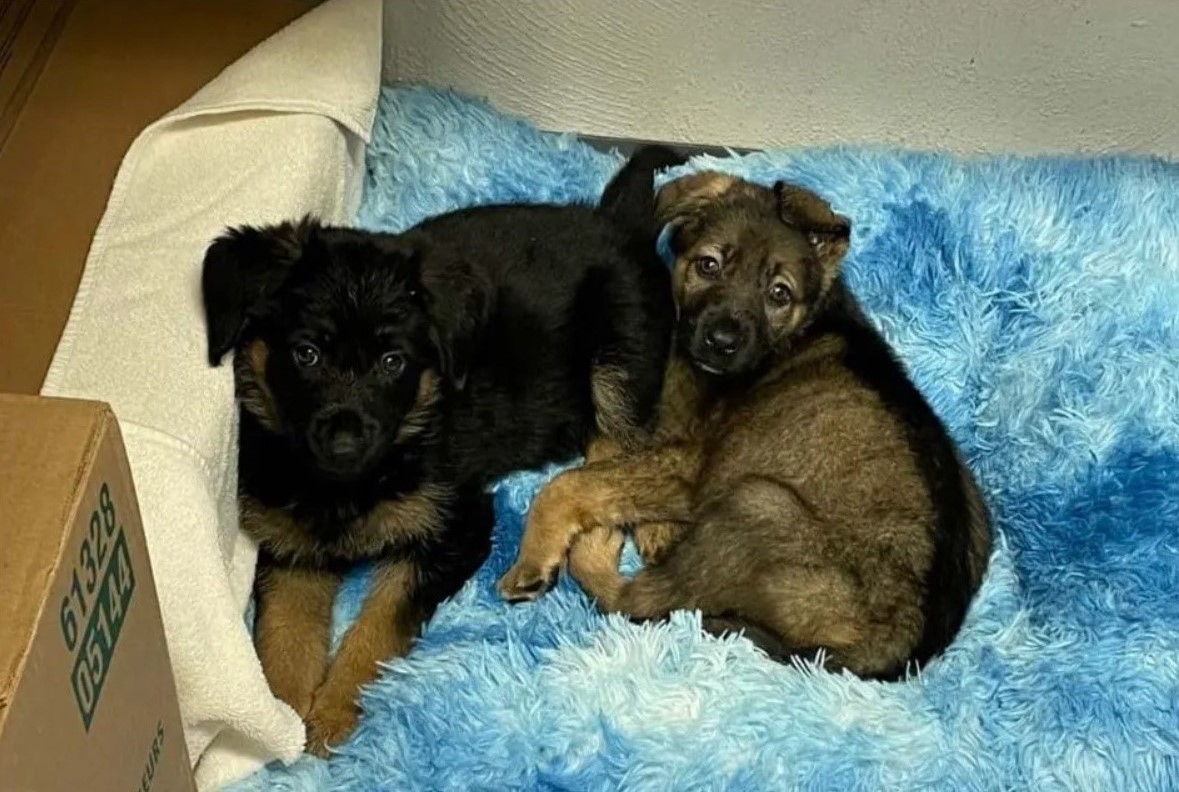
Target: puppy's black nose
[723,336]
[341,435]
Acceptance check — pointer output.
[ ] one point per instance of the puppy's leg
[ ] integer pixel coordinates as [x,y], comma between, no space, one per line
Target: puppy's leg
[655,540]
[602,448]
[593,563]
[658,590]
[293,628]
[761,561]
[803,612]
[766,640]
[745,571]
[404,595]
[652,539]
[648,486]
[785,626]
[632,336]
[388,624]
[616,415]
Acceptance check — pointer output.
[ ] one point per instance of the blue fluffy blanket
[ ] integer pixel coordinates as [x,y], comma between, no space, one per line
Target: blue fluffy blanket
[1036,304]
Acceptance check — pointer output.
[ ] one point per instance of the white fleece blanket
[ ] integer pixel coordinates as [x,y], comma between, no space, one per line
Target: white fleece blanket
[278,134]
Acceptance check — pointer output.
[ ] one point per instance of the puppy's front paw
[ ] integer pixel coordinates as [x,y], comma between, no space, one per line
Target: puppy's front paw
[298,700]
[596,551]
[331,722]
[553,521]
[654,540]
[527,581]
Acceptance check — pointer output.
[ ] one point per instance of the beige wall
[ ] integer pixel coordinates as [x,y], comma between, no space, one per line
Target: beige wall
[971,76]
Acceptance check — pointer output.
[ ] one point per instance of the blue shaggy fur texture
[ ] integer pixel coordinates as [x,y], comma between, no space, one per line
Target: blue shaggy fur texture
[1036,304]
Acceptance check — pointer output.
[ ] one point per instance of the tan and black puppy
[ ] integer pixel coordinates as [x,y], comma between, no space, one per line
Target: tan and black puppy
[802,491]
[385,380]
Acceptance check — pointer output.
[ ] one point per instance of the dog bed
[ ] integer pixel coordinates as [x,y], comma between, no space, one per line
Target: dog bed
[1036,304]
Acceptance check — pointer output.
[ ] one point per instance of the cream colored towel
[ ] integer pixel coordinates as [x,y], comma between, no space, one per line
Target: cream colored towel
[278,134]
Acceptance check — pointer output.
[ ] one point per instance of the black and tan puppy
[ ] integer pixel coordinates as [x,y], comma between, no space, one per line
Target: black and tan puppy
[801,490]
[386,380]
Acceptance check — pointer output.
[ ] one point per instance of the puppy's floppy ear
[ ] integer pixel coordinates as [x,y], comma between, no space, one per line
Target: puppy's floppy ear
[243,268]
[828,233]
[677,200]
[458,298]
[681,202]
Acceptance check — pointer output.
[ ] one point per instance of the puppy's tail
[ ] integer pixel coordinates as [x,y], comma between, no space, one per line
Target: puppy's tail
[629,198]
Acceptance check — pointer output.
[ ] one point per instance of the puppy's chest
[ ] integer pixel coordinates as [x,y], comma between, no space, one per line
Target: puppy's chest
[809,426]
[348,530]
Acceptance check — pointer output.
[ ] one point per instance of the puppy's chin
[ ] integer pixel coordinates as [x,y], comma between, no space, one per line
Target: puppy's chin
[342,472]
[346,469]
[723,369]
[736,366]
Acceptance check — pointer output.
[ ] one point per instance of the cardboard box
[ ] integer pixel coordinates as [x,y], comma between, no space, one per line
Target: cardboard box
[87,698]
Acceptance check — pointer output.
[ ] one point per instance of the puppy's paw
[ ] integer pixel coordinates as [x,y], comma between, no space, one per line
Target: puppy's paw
[331,721]
[654,540]
[596,551]
[298,700]
[527,581]
[602,448]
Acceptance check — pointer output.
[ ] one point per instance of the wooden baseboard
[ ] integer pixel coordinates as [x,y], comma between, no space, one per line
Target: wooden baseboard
[28,30]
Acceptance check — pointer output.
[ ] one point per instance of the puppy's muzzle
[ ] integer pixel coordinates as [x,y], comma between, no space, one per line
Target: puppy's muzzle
[342,438]
[724,336]
[722,341]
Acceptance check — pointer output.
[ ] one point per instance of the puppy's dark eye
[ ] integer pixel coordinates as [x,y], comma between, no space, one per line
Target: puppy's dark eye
[780,294]
[393,363]
[305,355]
[708,266]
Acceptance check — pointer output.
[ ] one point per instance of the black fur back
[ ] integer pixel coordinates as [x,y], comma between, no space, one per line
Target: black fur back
[960,532]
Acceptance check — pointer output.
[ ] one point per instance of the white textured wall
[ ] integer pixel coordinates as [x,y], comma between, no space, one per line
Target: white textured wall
[1023,75]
